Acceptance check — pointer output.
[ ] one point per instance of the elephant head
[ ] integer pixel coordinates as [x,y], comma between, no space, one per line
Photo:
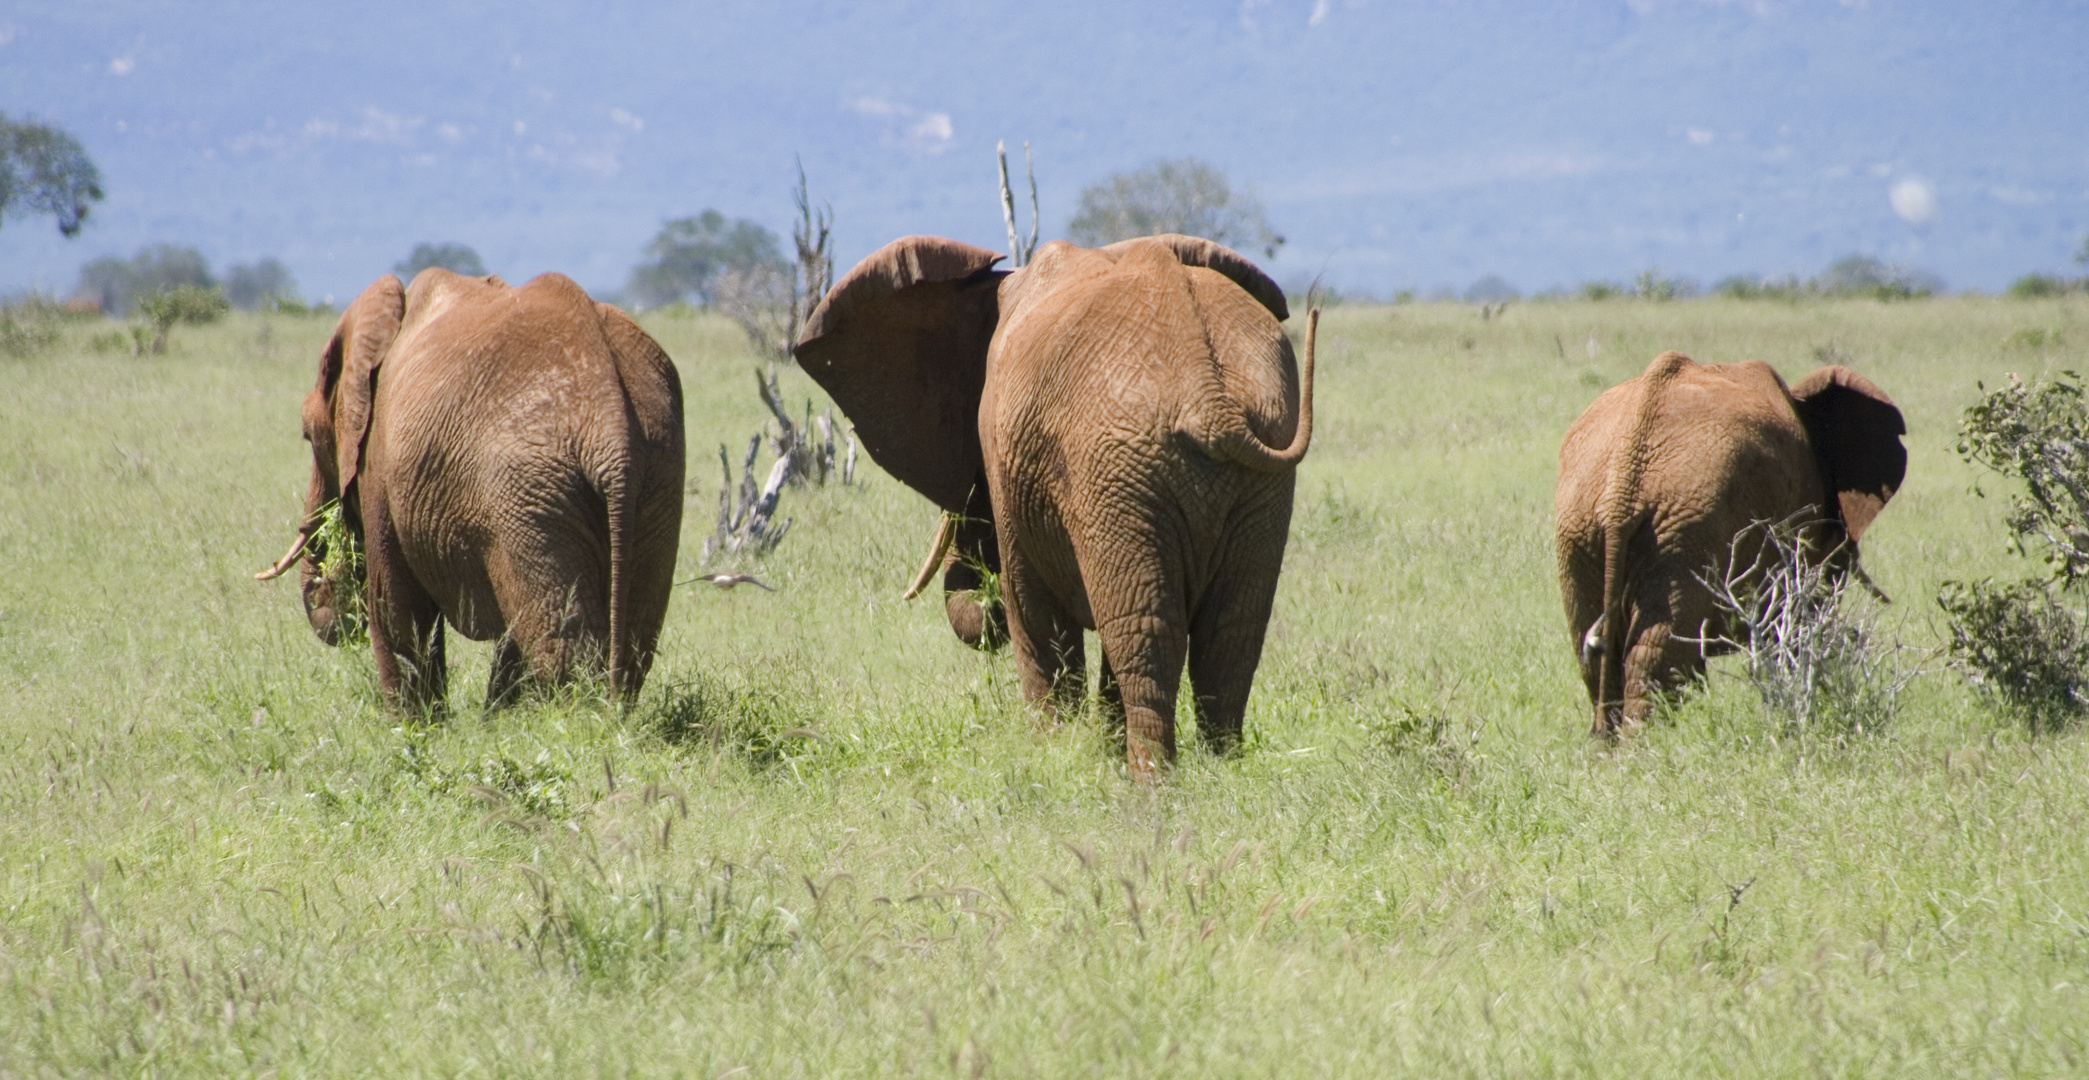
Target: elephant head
[337,423]
[901,344]
[1855,430]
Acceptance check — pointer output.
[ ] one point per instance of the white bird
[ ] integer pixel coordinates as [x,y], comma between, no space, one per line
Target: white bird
[729,579]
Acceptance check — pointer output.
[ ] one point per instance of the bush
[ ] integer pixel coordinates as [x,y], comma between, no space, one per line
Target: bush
[1864,276]
[2021,641]
[1810,649]
[1654,284]
[29,325]
[190,304]
[2039,286]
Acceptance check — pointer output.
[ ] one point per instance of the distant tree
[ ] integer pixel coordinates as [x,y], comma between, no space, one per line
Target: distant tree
[1185,196]
[457,258]
[116,283]
[45,171]
[252,286]
[1862,275]
[1491,289]
[690,254]
[2081,254]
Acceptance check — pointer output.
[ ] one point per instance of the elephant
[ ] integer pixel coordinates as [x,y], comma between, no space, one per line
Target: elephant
[1113,434]
[1663,484]
[510,461]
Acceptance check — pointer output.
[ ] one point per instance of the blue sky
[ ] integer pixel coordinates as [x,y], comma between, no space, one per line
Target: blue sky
[1397,143]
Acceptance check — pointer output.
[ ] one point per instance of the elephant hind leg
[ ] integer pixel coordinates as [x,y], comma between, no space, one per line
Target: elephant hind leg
[504,684]
[1225,649]
[1145,654]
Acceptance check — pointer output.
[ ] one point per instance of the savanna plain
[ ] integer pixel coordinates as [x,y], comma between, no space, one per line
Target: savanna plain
[829,840]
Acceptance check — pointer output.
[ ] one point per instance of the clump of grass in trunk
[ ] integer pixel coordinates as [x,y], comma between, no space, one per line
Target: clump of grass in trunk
[340,553]
[2025,643]
[1810,647]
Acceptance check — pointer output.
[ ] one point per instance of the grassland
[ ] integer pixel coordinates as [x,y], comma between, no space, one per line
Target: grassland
[830,841]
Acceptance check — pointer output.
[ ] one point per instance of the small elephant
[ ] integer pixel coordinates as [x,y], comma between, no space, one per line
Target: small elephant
[511,461]
[1661,480]
[1115,431]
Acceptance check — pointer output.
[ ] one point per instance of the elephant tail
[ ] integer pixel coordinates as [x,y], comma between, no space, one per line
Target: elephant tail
[1241,443]
[1621,520]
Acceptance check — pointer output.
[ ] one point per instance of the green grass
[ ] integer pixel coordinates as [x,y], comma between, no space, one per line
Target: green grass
[831,841]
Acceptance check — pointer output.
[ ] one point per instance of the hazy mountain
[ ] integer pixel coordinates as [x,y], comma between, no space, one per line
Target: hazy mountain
[1397,144]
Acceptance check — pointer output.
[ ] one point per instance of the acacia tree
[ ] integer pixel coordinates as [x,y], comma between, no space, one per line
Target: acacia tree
[1187,196]
[45,171]
[457,258]
[692,256]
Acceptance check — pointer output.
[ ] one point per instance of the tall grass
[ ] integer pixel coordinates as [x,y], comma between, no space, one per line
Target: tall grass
[830,841]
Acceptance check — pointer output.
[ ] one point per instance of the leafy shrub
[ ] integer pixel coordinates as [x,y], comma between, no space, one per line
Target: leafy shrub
[1654,284]
[192,304]
[29,325]
[1601,290]
[2023,642]
[2034,286]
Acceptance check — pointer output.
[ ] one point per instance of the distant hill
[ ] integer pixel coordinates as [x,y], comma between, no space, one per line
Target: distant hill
[1396,144]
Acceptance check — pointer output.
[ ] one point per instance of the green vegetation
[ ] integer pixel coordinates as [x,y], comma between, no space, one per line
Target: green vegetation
[1188,195]
[2021,640]
[158,313]
[828,840]
[457,258]
[43,170]
[690,255]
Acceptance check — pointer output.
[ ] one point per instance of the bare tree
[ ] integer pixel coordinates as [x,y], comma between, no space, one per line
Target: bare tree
[1019,251]
[1810,653]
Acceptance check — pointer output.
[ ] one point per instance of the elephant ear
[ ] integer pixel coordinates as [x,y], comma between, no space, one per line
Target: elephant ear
[1856,432]
[900,343]
[348,369]
[1197,251]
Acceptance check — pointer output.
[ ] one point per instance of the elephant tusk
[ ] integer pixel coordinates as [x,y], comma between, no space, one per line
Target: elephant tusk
[282,566]
[945,533]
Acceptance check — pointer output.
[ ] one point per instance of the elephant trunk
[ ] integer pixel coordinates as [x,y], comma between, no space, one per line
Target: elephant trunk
[1252,452]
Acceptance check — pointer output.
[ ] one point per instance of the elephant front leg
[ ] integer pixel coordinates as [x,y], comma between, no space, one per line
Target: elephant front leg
[1047,641]
[406,630]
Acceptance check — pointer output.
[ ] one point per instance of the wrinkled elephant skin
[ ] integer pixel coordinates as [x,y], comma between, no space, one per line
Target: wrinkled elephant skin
[1119,429]
[1664,478]
[512,460]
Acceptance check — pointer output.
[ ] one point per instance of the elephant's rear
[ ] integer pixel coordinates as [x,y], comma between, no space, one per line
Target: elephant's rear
[555,427]
[645,521]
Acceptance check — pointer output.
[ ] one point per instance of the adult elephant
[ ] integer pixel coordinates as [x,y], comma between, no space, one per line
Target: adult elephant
[1663,480]
[1114,431]
[510,460]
